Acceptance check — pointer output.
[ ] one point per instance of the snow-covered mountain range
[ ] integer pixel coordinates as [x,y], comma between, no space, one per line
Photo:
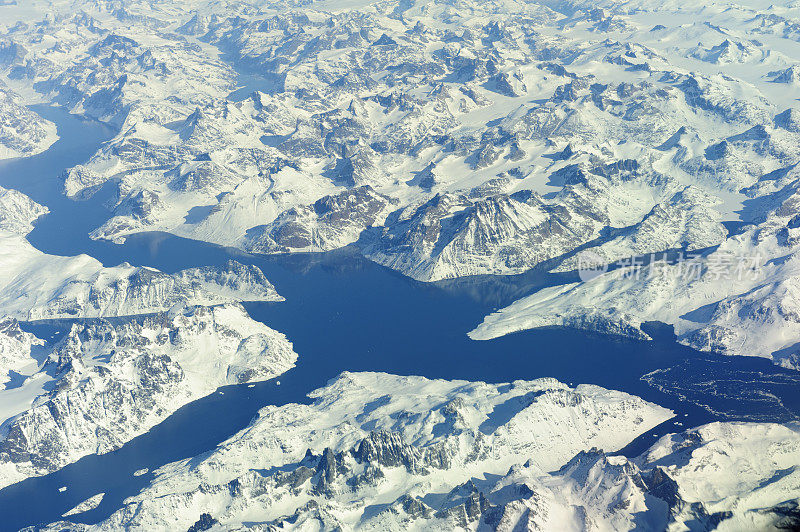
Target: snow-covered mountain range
[387,443]
[34,285]
[441,139]
[377,452]
[104,383]
[23,133]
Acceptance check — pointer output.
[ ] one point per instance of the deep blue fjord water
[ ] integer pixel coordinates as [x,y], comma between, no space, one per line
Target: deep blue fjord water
[344,313]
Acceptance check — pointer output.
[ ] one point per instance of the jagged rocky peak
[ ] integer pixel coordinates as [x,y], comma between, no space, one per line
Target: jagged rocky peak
[728,51]
[679,139]
[70,287]
[18,212]
[140,204]
[394,439]
[425,179]
[387,104]
[197,25]
[23,133]
[790,75]
[329,223]
[111,381]
[454,235]
[374,432]
[11,52]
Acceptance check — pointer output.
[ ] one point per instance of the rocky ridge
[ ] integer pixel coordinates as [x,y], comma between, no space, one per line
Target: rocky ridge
[395,463]
[104,383]
[23,133]
[375,438]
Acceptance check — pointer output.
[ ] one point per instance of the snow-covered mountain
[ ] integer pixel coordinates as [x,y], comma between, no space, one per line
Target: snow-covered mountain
[18,212]
[372,440]
[442,139]
[104,383]
[739,299]
[377,452]
[416,101]
[15,348]
[22,132]
[498,147]
[35,285]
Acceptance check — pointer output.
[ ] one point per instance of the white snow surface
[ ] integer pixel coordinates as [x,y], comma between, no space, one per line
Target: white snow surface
[109,382]
[380,452]
[368,441]
[89,504]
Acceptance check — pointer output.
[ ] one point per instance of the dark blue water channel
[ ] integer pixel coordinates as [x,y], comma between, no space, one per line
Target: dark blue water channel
[343,312]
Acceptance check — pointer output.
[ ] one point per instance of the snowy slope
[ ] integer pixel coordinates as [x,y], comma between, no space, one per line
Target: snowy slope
[105,383]
[34,285]
[591,109]
[740,299]
[442,139]
[434,455]
[18,212]
[22,132]
[15,349]
[377,442]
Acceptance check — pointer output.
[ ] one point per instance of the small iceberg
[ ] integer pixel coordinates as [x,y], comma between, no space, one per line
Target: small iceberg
[89,504]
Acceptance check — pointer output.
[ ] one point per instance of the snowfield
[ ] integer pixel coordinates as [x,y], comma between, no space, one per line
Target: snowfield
[442,139]
[377,452]
[103,383]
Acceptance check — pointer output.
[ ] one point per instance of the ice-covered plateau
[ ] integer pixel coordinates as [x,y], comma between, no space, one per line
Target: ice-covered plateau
[380,452]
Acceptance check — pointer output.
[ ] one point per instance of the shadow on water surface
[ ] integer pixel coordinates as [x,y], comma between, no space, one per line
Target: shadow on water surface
[345,313]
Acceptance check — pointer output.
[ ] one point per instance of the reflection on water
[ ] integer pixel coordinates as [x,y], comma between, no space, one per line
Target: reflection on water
[343,312]
[498,291]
